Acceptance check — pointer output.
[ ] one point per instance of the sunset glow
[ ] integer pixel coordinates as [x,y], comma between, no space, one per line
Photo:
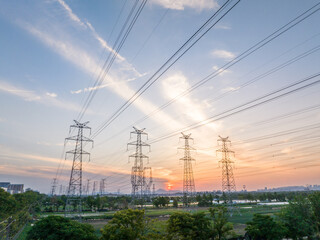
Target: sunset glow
[267,102]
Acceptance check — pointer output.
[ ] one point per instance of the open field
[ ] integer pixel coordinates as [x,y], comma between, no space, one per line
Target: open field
[162,215]
[99,219]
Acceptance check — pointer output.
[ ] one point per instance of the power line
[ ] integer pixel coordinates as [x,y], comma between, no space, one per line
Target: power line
[246,106]
[168,64]
[240,57]
[150,35]
[237,59]
[123,35]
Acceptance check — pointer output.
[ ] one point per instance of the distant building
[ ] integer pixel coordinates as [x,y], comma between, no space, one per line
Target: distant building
[12,188]
[4,185]
[15,188]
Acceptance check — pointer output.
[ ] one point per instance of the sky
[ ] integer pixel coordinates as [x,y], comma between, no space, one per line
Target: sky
[53,51]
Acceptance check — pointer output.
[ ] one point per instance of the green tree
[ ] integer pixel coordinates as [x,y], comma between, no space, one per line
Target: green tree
[156,202]
[8,204]
[298,218]
[221,227]
[60,228]
[175,202]
[314,199]
[125,225]
[160,201]
[201,226]
[180,226]
[263,227]
[90,202]
[205,200]
[185,226]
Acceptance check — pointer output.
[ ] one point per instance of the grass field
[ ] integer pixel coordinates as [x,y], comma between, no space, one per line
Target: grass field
[162,215]
[98,220]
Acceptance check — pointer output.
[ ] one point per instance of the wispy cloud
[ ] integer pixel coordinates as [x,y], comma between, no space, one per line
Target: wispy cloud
[47,98]
[177,84]
[228,89]
[51,94]
[82,59]
[182,4]
[70,13]
[221,71]
[102,42]
[224,54]
[26,95]
[97,87]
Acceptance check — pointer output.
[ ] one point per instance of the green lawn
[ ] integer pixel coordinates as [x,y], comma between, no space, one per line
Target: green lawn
[247,213]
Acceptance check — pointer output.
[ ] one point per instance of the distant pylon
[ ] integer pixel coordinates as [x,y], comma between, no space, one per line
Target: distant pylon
[228,182]
[154,190]
[74,194]
[54,186]
[102,186]
[94,189]
[189,189]
[147,178]
[137,172]
[244,188]
[88,187]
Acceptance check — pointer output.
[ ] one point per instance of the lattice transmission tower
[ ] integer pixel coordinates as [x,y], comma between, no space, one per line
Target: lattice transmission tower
[228,182]
[88,187]
[189,189]
[138,181]
[54,186]
[103,186]
[74,203]
[94,188]
[147,178]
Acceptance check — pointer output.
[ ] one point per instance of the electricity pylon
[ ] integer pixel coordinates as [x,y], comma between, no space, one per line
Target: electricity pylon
[102,186]
[228,182]
[88,187]
[54,186]
[188,180]
[94,190]
[75,184]
[147,178]
[137,172]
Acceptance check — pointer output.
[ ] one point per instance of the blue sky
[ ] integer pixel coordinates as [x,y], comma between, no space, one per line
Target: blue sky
[52,52]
